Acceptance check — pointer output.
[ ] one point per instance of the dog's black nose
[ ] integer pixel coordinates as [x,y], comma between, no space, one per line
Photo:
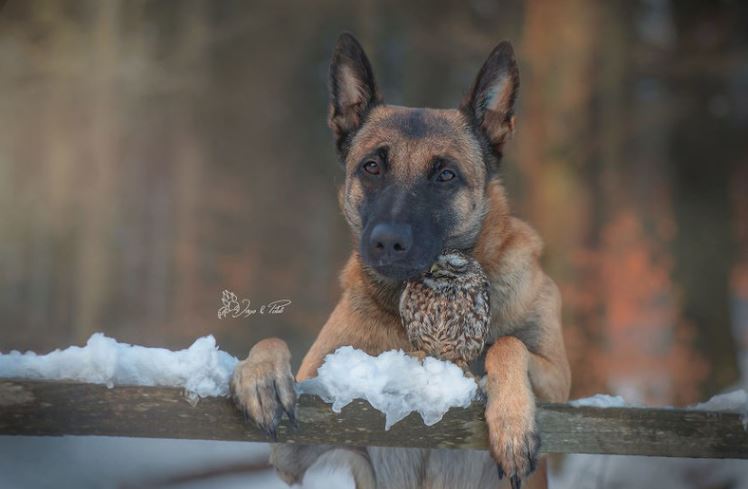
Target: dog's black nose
[390,242]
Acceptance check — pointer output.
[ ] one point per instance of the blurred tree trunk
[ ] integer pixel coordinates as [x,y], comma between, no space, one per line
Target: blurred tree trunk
[97,239]
[557,56]
[739,280]
[701,174]
[188,154]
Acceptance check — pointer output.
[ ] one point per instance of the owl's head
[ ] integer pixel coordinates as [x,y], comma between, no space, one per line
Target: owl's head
[452,264]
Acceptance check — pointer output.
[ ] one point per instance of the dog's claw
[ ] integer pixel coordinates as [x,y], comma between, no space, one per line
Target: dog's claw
[516,482]
[533,464]
[293,419]
[500,472]
[286,397]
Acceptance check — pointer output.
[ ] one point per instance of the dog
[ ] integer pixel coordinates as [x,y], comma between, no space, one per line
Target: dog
[418,181]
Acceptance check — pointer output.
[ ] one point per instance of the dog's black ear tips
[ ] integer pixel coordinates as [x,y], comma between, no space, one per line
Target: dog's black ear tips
[347,37]
[347,44]
[496,86]
[353,90]
[351,76]
[503,50]
[490,102]
[347,50]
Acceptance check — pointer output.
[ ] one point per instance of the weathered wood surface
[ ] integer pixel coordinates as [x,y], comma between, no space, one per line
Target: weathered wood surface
[59,408]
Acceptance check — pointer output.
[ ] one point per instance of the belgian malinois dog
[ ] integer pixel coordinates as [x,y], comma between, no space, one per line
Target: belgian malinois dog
[419,181]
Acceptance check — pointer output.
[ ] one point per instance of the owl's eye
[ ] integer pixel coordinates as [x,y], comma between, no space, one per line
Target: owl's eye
[445,176]
[457,262]
[372,167]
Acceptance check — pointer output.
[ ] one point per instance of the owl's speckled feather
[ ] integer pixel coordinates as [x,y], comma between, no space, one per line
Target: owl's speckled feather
[446,311]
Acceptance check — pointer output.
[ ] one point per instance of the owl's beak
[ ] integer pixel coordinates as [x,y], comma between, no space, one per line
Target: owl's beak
[434,268]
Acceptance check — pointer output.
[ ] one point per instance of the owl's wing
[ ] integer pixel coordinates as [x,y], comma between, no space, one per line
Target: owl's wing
[404,306]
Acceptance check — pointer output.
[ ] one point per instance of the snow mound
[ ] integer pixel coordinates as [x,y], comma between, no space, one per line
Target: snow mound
[394,383]
[730,402]
[202,369]
[734,402]
[600,401]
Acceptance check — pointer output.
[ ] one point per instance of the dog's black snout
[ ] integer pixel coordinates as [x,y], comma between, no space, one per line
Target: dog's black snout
[390,241]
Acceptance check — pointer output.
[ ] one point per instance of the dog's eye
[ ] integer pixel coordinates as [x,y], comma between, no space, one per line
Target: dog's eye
[372,167]
[445,176]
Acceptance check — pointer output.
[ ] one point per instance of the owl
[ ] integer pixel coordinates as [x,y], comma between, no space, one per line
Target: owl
[446,311]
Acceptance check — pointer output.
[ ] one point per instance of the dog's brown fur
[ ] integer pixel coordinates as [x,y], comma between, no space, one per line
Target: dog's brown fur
[527,351]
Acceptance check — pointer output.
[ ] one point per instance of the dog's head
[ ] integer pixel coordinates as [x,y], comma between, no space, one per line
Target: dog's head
[416,178]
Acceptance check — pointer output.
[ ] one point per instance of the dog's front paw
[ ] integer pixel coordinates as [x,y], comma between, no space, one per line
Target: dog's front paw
[514,441]
[263,387]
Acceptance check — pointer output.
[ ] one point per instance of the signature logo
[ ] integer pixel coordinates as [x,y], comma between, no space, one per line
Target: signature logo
[235,308]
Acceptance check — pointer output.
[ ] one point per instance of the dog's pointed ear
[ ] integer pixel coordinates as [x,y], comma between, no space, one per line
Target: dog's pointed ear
[490,102]
[353,91]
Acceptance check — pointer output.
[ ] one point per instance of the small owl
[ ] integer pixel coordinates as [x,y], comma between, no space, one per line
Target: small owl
[446,311]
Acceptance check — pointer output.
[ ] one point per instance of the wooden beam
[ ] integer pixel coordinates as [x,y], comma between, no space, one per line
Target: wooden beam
[60,408]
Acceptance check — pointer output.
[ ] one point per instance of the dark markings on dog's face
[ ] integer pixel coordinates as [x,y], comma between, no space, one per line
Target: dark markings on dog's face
[416,178]
[419,124]
[415,184]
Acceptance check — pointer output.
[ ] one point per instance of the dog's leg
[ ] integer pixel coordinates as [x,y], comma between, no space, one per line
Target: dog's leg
[510,411]
[262,384]
[293,461]
[549,370]
[356,461]
[263,387]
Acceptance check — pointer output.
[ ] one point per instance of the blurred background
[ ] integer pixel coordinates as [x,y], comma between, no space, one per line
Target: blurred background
[155,153]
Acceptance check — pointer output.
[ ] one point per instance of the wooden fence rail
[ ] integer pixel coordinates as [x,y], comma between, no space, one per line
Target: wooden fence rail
[61,408]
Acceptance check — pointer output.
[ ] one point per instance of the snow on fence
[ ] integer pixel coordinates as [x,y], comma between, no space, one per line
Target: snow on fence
[116,389]
[53,408]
